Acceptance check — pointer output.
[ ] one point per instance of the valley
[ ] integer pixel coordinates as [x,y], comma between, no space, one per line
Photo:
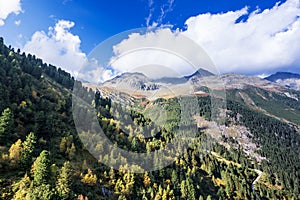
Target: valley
[245,132]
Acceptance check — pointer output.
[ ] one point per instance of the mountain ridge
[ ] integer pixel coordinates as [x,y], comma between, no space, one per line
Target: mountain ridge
[282,75]
[140,84]
[286,79]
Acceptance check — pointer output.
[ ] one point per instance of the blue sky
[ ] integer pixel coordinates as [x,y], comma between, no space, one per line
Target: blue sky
[91,22]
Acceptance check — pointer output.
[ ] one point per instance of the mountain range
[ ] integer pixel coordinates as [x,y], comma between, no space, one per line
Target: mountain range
[139,85]
[252,154]
[287,79]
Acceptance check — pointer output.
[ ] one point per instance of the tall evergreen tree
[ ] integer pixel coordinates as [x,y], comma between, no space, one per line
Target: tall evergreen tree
[190,189]
[63,185]
[27,150]
[6,124]
[42,169]
[41,192]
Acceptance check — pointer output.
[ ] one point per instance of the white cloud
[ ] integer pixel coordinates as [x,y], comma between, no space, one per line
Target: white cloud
[263,75]
[175,53]
[18,22]
[267,41]
[7,7]
[58,47]
[94,72]
[165,8]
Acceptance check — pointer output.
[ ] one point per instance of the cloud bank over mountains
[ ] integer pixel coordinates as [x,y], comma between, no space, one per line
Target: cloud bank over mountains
[238,41]
[264,41]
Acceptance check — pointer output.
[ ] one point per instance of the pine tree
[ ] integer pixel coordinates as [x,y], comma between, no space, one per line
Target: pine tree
[21,188]
[42,169]
[183,189]
[190,189]
[27,149]
[63,185]
[174,177]
[134,144]
[41,192]
[6,124]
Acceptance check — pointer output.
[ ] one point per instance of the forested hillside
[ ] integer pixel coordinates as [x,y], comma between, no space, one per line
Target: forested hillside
[42,156]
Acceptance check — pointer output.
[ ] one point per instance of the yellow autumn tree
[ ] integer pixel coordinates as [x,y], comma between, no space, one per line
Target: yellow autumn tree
[89,178]
[15,151]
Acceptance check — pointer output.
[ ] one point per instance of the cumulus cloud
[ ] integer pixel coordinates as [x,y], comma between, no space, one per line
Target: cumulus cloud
[175,52]
[95,72]
[266,41]
[7,7]
[58,47]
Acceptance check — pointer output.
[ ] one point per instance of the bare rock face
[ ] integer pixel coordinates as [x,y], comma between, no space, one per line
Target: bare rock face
[138,85]
[238,81]
[132,81]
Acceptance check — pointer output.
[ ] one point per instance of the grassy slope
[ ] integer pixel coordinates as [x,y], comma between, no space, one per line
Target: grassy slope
[275,104]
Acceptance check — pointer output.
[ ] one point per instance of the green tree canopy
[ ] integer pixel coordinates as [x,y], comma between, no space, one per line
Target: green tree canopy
[6,124]
[42,169]
[63,184]
[27,150]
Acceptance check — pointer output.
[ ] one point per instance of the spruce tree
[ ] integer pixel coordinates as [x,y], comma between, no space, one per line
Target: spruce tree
[42,170]
[27,149]
[63,184]
[6,124]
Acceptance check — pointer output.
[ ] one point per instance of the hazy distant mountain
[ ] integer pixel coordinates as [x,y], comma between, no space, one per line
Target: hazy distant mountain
[139,81]
[133,81]
[287,79]
[282,75]
[200,73]
[239,81]
[138,85]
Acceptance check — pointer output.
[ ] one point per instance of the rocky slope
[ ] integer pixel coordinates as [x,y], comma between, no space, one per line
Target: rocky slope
[199,83]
